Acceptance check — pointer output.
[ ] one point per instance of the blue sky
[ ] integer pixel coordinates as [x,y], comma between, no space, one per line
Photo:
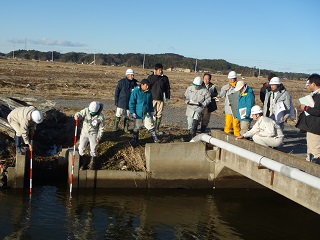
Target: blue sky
[280,35]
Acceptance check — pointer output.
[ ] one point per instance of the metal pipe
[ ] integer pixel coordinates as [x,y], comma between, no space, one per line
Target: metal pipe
[285,170]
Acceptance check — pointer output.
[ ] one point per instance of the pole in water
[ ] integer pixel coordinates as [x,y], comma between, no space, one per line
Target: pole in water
[73,157]
[31,151]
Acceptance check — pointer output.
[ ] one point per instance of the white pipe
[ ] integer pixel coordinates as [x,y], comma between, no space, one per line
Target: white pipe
[285,170]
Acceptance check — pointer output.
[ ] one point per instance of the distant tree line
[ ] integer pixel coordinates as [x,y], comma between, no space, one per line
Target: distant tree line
[169,60]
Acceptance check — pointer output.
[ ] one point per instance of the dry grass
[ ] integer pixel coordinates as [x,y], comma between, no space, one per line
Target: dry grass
[53,80]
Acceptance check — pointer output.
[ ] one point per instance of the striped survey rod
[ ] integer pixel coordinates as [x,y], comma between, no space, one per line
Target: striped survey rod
[73,157]
[31,153]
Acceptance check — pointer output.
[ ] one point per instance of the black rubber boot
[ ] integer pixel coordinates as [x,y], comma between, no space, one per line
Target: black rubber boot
[203,128]
[126,125]
[135,139]
[158,122]
[82,163]
[18,142]
[116,124]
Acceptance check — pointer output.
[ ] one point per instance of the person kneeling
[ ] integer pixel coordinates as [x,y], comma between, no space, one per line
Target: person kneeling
[265,131]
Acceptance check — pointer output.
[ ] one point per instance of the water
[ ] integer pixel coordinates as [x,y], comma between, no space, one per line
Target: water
[153,214]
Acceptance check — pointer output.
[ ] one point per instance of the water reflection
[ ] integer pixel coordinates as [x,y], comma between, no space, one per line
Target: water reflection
[145,214]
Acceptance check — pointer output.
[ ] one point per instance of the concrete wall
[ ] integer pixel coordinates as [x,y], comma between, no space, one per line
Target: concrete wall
[299,192]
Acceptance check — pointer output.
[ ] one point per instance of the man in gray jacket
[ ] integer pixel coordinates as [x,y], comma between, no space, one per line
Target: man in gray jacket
[197,98]
[24,121]
[92,130]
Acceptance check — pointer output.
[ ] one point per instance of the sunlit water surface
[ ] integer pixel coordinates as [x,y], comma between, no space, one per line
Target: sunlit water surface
[157,214]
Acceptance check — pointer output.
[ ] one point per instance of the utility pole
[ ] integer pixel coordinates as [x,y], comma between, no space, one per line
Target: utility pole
[144,59]
[14,48]
[94,58]
[195,67]
[52,57]
[25,44]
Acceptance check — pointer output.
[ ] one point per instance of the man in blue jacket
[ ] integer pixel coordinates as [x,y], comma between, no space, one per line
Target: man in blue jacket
[141,109]
[245,103]
[121,99]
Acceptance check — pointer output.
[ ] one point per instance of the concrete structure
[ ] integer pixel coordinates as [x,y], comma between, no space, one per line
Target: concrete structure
[201,165]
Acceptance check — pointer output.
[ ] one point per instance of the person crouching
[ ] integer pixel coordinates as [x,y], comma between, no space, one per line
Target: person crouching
[91,132]
[265,131]
[142,111]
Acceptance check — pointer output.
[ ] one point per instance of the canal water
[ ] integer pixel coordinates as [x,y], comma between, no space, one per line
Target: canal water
[153,214]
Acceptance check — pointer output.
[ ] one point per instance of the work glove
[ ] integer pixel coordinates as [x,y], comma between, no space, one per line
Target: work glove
[133,115]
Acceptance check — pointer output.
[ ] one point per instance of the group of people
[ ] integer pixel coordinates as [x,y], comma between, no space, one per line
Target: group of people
[144,103]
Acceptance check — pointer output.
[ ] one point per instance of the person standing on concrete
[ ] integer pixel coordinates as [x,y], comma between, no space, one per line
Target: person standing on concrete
[212,106]
[265,131]
[278,103]
[197,99]
[231,121]
[91,132]
[160,88]
[122,97]
[245,103]
[24,121]
[266,87]
[309,119]
[142,111]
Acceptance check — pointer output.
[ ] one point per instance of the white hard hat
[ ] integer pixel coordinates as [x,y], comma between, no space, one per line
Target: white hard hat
[255,110]
[197,81]
[94,107]
[129,71]
[36,116]
[239,85]
[275,80]
[232,74]
[307,83]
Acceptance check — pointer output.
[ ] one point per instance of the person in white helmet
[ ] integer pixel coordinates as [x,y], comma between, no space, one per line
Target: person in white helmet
[91,132]
[121,99]
[231,121]
[277,103]
[24,121]
[197,97]
[265,131]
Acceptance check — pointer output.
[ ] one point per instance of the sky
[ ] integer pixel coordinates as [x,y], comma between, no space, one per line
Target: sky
[278,35]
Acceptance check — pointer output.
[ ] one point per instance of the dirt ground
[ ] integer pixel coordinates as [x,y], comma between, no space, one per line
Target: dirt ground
[61,89]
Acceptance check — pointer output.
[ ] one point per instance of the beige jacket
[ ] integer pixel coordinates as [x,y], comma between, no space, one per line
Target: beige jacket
[20,119]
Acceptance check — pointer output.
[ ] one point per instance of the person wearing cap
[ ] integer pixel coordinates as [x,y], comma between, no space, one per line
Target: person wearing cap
[309,119]
[265,131]
[142,111]
[278,103]
[91,132]
[24,121]
[121,99]
[197,97]
[160,88]
[212,106]
[245,103]
[266,87]
[231,121]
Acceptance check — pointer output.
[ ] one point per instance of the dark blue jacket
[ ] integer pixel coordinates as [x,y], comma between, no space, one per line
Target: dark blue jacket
[141,103]
[123,91]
